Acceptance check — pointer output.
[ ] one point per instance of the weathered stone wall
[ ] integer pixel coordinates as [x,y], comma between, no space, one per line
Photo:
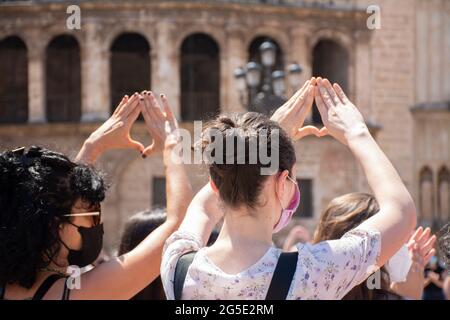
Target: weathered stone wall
[389,69]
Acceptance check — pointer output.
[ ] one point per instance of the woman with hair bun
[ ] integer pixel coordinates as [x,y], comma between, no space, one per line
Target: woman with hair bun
[242,263]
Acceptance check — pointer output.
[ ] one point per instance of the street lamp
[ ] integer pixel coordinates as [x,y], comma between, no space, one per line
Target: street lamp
[265,89]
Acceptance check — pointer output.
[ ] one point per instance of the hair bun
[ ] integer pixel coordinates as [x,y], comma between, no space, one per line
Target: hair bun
[227,121]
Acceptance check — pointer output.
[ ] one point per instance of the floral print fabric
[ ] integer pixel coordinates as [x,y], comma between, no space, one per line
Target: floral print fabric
[327,270]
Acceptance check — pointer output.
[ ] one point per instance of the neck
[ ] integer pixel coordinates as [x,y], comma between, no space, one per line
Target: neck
[59,263]
[244,228]
[54,268]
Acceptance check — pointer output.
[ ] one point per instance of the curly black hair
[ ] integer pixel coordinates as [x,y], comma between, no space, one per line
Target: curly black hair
[37,187]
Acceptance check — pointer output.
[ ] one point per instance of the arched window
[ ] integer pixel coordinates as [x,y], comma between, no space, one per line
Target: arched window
[130,66]
[331,61]
[444,195]
[13,81]
[200,77]
[63,80]
[426,195]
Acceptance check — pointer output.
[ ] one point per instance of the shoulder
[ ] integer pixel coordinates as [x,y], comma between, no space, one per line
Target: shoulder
[328,269]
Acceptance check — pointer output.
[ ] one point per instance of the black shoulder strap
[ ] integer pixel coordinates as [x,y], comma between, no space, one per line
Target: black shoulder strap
[180,273]
[45,286]
[2,292]
[282,276]
[66,291]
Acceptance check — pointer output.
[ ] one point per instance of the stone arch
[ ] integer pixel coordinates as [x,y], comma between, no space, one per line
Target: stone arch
[199,77]
[63,79]
[13,80]
[443,194]
[331,58]
[130,66]
[426,198]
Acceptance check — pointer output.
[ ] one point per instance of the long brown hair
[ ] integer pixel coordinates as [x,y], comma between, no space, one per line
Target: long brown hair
[343,214]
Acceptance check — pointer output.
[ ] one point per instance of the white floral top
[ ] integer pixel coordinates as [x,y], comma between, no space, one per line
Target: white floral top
[327,270]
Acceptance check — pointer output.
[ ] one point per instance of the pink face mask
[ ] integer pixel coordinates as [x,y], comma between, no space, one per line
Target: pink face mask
[286,214]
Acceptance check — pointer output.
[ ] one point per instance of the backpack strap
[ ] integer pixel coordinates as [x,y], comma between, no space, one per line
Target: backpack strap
[2,292]
[45,286]
[181,269]
[282,276]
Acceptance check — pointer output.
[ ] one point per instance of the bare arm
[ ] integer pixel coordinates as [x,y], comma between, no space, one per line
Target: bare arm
[125,276]
[421,249]
[114,133]
[436,279]
[397,216]
[178,188]
[203,213]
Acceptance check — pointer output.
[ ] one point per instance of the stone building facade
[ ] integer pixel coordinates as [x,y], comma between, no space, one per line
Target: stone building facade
[58,84]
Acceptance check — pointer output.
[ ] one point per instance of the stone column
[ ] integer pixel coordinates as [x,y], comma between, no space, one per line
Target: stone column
[300,53]
[94,75]
[36,81]
[236,56]
[361,91]
[166,71]
[362,74]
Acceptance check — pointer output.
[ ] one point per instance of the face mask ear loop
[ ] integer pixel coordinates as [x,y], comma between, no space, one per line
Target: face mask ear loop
[282,208]
[295,183]
[63,243]
[51,258]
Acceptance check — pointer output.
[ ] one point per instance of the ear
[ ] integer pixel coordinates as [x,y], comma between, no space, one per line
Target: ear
[62,230]
[213,186]
[280,184]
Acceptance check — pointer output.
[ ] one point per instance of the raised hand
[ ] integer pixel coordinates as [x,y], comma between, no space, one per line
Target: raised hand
[340,116]
[114,133]
[421,249]
[423,243]
[293,113]
[155,119]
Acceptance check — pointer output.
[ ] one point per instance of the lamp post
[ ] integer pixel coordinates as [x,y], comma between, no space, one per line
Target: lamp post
[261,88]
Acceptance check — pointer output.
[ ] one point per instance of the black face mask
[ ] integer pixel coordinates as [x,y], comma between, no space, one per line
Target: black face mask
[92,243]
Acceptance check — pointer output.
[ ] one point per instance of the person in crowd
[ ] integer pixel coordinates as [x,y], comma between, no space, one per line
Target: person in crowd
[296,235]
[51,216]
[447,287]
[402,277]
[254,206]
[137,228]
[435,276]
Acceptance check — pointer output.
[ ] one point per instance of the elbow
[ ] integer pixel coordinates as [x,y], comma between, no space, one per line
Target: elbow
[410,213]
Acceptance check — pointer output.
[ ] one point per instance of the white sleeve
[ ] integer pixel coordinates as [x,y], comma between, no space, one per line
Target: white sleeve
[176,245]
[330,269]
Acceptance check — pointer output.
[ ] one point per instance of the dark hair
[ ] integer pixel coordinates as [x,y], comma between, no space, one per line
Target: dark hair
[241,184]
[137,228]
[343,214]
[37,187]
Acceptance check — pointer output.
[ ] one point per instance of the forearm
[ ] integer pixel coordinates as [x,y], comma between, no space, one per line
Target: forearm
[125,276]
[409,289]
[203,214]
[88,153]
[178,191]
[396,218]
[383,179]
[438,283]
